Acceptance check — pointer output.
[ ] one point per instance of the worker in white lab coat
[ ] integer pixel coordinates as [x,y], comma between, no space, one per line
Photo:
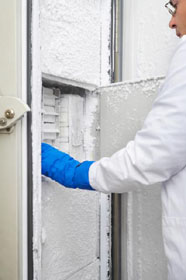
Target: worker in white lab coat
[156,155]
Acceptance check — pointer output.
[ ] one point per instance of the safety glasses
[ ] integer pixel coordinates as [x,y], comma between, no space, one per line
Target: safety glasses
[171,8]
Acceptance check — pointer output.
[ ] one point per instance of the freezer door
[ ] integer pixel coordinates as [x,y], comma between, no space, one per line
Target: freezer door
[12,144]
[124,107]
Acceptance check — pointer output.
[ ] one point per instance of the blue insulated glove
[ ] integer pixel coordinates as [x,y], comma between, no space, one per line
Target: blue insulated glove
[64,169]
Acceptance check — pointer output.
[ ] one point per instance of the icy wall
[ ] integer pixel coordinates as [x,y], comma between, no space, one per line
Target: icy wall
[73,34]
[71,39]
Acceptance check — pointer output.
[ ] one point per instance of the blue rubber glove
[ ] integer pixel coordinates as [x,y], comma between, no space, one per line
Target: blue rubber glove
[64,169]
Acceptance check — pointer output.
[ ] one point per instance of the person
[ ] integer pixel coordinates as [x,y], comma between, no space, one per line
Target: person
[156,155]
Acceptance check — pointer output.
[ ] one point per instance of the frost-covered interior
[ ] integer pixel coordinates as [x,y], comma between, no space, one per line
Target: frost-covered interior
[74,35]
[70,218]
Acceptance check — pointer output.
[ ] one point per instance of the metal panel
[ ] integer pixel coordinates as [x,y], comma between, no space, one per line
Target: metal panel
[12,160]
[124,107]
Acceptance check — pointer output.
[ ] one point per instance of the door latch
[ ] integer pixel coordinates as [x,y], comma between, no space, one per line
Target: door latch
[11,110]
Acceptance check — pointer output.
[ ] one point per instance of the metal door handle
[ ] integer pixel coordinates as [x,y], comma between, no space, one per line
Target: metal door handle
[11,110]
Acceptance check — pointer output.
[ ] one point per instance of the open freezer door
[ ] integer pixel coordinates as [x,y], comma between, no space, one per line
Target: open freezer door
[123,108]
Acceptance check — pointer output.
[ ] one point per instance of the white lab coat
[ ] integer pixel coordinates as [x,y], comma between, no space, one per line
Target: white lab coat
[157,155]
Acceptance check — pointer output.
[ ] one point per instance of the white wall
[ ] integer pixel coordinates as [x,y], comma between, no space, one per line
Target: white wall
[74,35]
[148,41]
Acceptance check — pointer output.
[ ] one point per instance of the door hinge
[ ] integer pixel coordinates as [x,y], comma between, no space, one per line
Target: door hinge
[11,110]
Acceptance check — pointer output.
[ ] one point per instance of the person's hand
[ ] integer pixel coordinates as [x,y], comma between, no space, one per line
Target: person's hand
[64,169]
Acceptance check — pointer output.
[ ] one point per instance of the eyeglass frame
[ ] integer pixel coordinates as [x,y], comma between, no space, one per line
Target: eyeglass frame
[169,10]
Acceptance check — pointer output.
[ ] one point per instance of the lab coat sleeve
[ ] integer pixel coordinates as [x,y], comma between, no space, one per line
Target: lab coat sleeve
[158,151]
